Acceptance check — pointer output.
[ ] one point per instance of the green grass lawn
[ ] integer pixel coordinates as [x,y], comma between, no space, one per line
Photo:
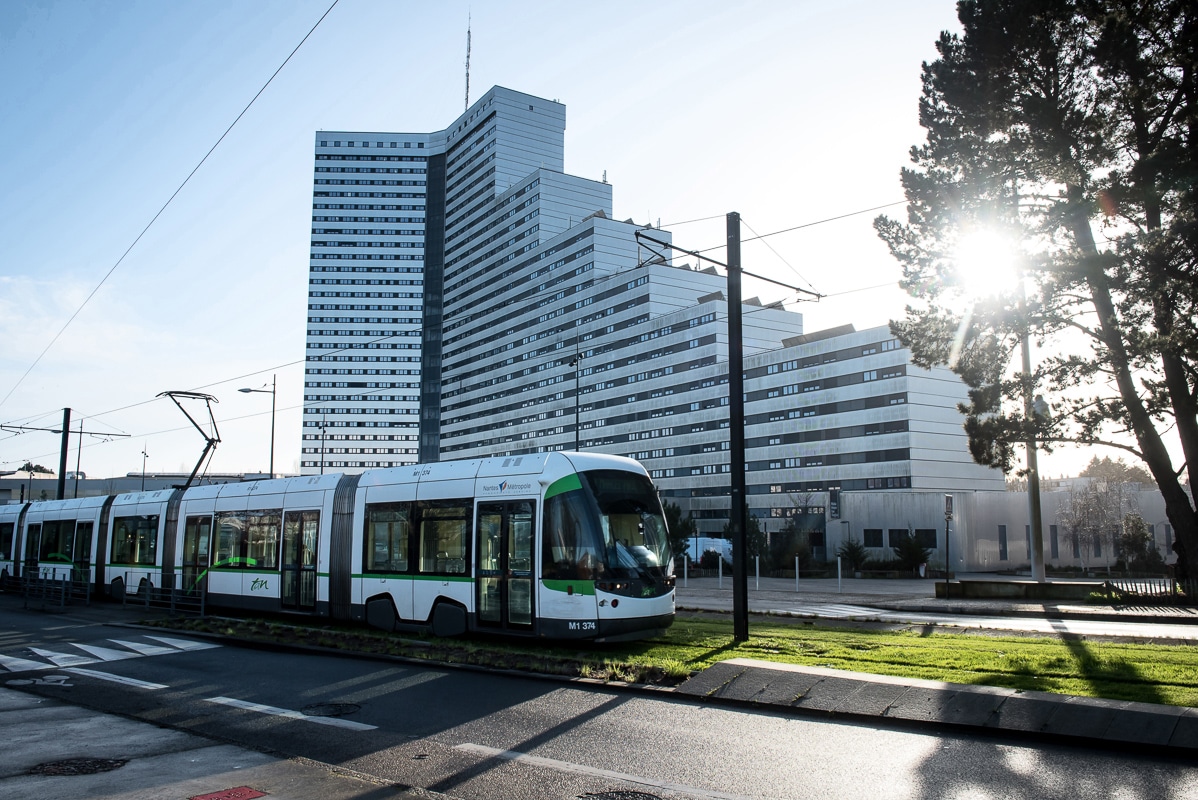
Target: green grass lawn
[1150,673]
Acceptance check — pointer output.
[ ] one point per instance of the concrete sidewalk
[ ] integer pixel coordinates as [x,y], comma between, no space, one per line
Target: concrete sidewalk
[884,700]
[56,750]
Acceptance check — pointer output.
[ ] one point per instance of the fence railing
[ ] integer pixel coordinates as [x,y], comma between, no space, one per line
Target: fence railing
[1159,590]
[173,599]
[56,588]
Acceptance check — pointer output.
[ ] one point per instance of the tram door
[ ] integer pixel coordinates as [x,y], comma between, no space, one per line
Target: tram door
[505,565]
[83,550]
[300,530]
[197,537]
[33,545]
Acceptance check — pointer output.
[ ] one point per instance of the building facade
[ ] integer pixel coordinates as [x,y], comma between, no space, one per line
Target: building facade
[469,298]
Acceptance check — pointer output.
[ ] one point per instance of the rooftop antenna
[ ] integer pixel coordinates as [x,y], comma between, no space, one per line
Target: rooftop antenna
[467,61]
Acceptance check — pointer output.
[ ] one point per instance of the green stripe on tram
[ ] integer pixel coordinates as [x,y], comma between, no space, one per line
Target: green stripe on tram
[569,483]
[222,566]
[570,587]
[403,576]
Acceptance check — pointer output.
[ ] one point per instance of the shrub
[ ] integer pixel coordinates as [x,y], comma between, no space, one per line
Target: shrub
[853,554]
[910,553]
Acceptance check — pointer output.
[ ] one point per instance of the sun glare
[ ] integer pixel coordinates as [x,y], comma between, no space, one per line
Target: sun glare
[985,264]
[986,267]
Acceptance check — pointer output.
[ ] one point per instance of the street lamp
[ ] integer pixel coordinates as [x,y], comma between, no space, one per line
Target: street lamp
[271,392]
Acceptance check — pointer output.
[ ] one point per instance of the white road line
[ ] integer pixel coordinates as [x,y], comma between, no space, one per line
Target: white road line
[580,769]
[288,714]
[146,649]
[14,664]
[184,644]
[106,653]
[104,676]
[62,659]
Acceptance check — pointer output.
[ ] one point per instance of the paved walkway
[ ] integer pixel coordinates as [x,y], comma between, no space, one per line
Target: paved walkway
[52,748]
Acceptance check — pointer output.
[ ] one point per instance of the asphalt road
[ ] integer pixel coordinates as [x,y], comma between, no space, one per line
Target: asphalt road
[482,735]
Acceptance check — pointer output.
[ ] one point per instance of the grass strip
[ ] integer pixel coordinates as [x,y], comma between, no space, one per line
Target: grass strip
[1148,673]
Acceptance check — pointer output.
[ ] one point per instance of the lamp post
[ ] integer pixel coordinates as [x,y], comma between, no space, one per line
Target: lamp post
[271,392]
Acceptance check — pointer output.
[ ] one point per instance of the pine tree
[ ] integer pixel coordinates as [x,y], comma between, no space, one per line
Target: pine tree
[1070,128]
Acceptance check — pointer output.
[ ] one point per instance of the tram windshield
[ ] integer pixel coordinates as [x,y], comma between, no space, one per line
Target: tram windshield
[607,524]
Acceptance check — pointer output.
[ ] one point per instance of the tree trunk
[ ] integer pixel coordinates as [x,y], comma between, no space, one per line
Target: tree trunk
[1178,506]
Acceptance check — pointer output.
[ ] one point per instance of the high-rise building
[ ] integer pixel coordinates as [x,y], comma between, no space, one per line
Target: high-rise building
[469,298]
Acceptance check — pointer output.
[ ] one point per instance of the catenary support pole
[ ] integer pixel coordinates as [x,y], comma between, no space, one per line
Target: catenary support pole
[736,439]
[62,456]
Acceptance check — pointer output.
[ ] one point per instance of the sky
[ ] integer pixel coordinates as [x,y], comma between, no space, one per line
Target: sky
[790,112]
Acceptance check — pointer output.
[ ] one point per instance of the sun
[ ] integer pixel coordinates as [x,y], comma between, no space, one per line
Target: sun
[986,263]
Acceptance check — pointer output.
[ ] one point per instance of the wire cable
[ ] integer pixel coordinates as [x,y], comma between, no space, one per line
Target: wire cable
[165,205]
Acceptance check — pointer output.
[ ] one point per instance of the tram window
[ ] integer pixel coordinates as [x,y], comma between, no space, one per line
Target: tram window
[572,549]
[248,540]
[444,533]
[135,539]
[6,529]
[262,539]
[57,540]
[388,529]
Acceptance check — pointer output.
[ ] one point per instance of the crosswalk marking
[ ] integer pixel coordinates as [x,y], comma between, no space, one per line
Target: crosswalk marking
[184,644]
[14,664]
[63,658]
[145,649]
[107,653]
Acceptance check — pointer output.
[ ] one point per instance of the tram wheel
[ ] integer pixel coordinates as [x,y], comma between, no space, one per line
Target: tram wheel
[449,619]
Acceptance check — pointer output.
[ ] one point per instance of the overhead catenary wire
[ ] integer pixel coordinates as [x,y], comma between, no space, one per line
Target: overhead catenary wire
[161,210]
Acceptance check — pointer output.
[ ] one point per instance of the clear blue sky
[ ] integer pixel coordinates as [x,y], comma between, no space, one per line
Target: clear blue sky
[788,112]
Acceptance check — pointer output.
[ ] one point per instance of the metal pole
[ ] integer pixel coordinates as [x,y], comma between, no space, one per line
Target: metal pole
[78,457]
[62,456]
[273,387]
[839,584]
[1033,469]
[736,438]
[796,573]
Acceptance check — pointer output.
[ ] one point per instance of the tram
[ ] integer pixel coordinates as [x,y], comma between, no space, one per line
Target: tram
[551,545]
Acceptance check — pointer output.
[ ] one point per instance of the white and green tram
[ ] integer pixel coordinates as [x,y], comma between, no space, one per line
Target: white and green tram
[555,545]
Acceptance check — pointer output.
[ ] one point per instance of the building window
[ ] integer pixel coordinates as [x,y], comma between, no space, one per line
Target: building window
[1002,542]
[872,537]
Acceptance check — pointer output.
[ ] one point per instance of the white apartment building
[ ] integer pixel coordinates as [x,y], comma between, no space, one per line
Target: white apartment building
[474,300]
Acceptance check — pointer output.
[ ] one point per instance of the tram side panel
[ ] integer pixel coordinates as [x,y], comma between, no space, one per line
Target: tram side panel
[137,527]
[443,589]
[381,555]
[60,538]
[12,519]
